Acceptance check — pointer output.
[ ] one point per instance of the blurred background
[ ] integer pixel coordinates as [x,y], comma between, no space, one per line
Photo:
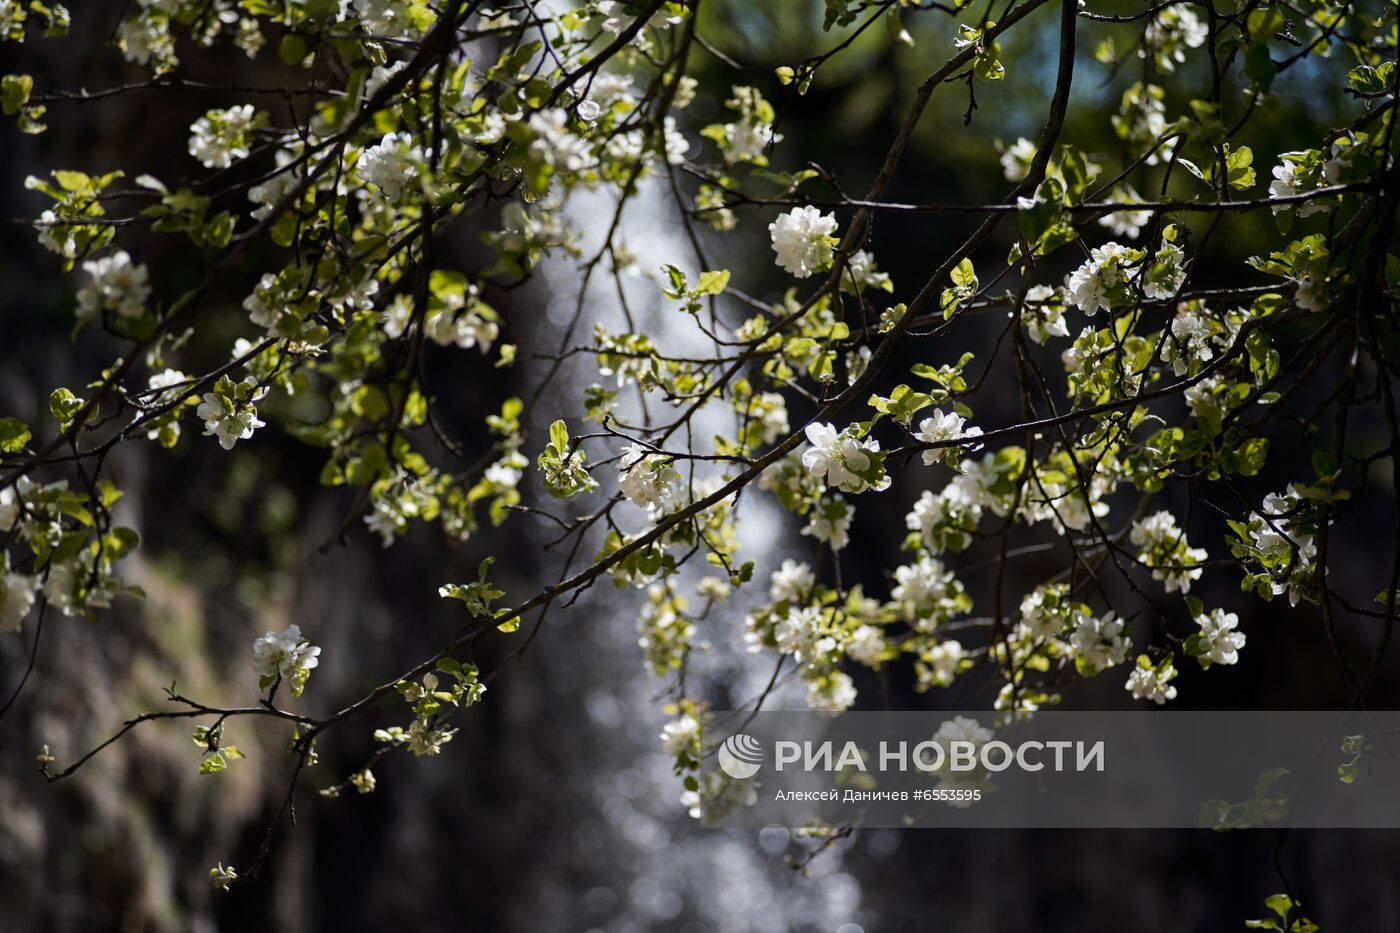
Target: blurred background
[554,809]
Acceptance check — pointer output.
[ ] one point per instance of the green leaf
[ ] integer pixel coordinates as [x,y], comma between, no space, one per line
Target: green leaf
[63,405]
[1238,167]
[14,92]
[14,434]
[896,28]
[1258,67]
[963,274]
[292,49]
[1267,780]
[1365,79]
[712,282]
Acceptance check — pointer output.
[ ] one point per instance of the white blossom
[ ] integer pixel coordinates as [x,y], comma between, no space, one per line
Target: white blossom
[380,76]
[837,458]
[792,582]
[835,696]
[1162,546]
[1285,183]
[1190,340]
[17,593]
[12,499]
[798,632]
[269,193]
[115,284]
[1016,160]
[943,427]
[1147,682]
[747,141]
[285,654]
[1098,642]
[867,644]
[461,328]
[222,137]
[680,735]
[1088,286]
[802,240]
[939,664]
[556,143]
[390,165]
[1164,278]
[962,729]
[1126,223]
[222,876]
[1169,33]
[1044,314]
[927,593]
[1311,294]
[229,426]
[648,480]
[388,18]
[830,521]
[1220,642]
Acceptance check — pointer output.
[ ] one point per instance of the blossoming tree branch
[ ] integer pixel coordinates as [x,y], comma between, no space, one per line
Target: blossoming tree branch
[1144,396]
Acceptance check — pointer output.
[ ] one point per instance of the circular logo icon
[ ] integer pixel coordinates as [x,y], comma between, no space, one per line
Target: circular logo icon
[740,756]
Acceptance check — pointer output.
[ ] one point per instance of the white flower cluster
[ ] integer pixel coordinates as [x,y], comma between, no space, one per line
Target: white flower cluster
[1152,682]
[802,239]
[938,664]
[285,655]
[268,193]
[115,283]
[1141,121]
[1045,613]
[1098,642]
[556,143]
[222,137]
[945,520]
[396,504]
[1016,159]
[1287,551]
[456,318]
[830,521]
[17,593]
[1170,33]
[792,582]
[1064,504]
[391,165]
[1106,269]
[1105,279]
[940,428]
[1219,640]
[817,638]
[1043,313]
[229,420]
[1191,335]
[1162,546]
[390,19]
[748,138]
[841,460]
[1126,223]
[681,736]
[928,594]
[664,631]
[648,480]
